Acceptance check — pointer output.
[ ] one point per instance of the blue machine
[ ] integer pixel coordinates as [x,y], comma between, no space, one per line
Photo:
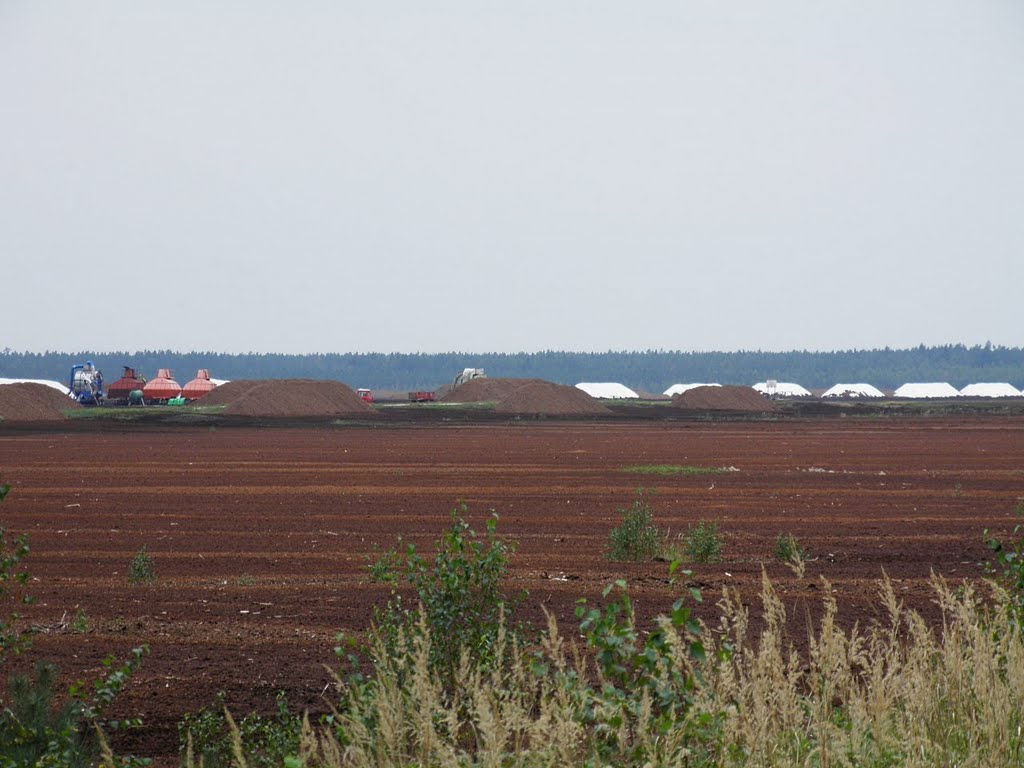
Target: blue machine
[86,384]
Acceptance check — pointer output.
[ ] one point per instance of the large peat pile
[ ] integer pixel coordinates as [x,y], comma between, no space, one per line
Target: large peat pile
[486,390]
[728,398]
[293,398]
[543,398]
[33,402]
[231,392]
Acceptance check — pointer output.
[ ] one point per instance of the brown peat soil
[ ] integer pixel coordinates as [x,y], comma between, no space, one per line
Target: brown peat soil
[261,536]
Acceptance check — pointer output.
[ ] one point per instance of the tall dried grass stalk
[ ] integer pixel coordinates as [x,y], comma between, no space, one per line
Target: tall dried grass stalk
[893,694]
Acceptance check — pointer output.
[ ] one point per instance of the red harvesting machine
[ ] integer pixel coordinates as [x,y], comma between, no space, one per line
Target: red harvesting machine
[162,388]
[128,383]
[199,386]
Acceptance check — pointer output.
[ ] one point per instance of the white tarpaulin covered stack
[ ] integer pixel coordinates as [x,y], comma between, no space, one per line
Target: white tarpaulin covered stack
[990,390]
[928,389]
[678,389]
[853,390]
[608,390]
[782,389]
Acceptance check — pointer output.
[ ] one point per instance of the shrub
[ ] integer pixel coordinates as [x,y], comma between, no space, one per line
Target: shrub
[1008,567]
[635,538]
[209,737]
[704,543]
[787,548]
[141,570]
[459,593]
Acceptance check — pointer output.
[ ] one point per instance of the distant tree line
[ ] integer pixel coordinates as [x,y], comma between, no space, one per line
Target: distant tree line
[651,371]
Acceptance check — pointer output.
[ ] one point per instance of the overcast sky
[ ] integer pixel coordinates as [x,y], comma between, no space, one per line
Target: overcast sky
[515,176]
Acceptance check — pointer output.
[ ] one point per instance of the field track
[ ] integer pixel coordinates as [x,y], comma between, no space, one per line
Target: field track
[261,535]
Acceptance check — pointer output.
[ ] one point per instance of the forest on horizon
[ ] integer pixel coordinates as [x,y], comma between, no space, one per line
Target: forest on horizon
[651,371]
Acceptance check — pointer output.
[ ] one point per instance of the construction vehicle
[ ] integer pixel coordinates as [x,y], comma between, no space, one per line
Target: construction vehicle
[365,395]
[421,396]
[468,374]
[86,384]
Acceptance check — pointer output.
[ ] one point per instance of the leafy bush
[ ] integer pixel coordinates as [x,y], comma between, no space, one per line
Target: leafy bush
[460,593]
[704,543]
[787,548]
[211,737]
[635,538]
[141,569]
[36,731]
[1008,567]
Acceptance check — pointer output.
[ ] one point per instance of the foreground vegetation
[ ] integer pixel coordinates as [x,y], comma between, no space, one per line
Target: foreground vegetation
[677,693]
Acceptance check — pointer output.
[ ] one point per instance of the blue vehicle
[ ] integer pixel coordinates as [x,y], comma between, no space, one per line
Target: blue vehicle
[86,384]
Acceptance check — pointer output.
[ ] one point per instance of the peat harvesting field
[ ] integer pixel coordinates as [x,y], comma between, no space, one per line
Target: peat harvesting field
[261,537]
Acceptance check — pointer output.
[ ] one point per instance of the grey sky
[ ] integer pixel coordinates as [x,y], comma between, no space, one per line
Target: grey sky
[414,176]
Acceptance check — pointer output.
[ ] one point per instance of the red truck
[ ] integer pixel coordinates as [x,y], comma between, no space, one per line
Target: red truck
[421,397]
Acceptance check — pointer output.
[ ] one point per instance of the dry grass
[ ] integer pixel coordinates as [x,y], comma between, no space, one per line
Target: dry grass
[895,694]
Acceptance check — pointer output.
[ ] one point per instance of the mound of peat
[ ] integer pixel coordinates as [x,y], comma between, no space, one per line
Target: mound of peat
[33,402]
[486,390]
[297,397]
[228,393]
[543,398]
[726,398]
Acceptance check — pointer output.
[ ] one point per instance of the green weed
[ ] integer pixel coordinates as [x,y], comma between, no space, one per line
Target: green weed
[141,569]
[459,593]
[703,543]
[787,548]
[672,469]
[80,621]
[635,538]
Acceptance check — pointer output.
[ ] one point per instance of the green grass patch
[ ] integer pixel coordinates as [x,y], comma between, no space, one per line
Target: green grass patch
[672,469]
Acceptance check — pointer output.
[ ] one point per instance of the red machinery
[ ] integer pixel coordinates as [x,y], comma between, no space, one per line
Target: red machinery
[163,387]
[365,395]
[421,397]
[127,384]
[199,386]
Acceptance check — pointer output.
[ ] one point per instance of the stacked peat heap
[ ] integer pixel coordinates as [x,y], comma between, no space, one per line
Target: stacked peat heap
[727,398]
[543,398]
[232,391]
[486,390]
[290,398]
[26,402]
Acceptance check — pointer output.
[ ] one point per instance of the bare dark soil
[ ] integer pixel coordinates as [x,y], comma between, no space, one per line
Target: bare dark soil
[261,537]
